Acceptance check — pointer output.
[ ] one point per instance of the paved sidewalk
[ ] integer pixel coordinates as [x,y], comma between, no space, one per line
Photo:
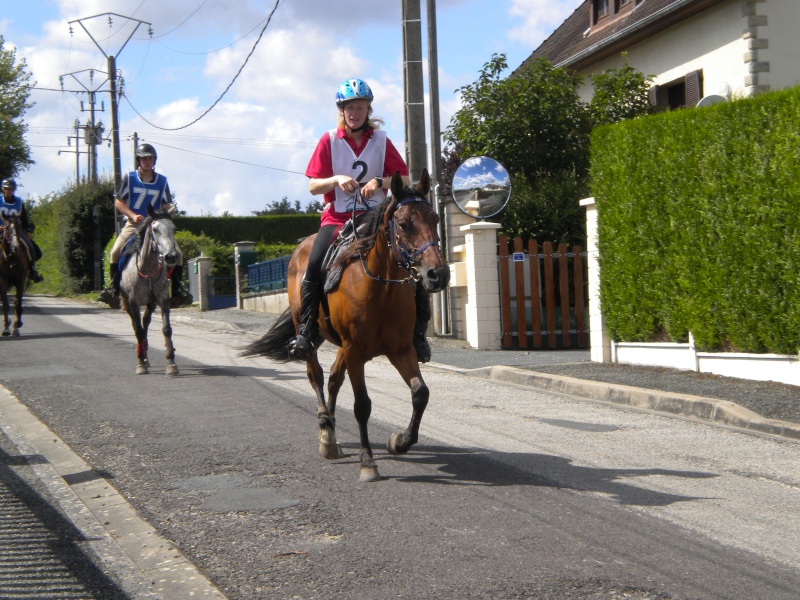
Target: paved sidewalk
[762,407]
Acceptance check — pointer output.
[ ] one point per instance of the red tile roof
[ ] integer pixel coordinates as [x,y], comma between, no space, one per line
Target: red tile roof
[573,45]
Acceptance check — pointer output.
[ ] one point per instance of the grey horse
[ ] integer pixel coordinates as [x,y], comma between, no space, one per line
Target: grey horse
[145,282]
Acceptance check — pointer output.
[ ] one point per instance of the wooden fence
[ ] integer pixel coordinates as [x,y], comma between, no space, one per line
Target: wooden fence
[543,299]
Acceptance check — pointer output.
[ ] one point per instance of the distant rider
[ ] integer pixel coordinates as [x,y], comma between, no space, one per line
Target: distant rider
[138,190]
[12,206]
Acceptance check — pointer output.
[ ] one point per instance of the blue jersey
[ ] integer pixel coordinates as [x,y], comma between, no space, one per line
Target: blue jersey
[10,210]
[138,195]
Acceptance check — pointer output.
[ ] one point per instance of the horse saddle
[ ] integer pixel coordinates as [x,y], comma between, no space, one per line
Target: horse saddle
[349,232]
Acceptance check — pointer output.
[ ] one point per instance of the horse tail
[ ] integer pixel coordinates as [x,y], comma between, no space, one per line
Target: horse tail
[274,344]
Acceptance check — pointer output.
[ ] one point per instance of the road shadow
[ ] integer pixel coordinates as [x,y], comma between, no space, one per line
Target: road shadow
[491,468]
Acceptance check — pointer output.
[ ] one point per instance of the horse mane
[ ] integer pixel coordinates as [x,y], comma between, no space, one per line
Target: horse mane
[372,220]
[134,246]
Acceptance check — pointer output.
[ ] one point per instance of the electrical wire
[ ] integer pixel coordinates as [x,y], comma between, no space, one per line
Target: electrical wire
[217,101]
[182,23]
[231,159]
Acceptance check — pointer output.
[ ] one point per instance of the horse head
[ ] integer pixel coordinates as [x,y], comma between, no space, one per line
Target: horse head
[162,229]
[412,224]
[12,245]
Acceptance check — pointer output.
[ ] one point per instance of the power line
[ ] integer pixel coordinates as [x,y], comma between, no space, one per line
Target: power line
[210,108]
[230,159]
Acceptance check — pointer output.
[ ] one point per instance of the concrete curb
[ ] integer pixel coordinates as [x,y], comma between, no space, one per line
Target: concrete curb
[697,407]
[146,565]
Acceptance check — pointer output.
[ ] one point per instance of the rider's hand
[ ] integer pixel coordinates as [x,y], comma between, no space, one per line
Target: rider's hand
[138,219]
[347,183]
[370,189]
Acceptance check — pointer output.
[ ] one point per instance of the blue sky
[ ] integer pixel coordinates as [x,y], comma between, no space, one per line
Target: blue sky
[253,146]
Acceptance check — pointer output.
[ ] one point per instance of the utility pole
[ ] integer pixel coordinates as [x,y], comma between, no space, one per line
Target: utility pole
[77,150]
[93,132]
[112,79]
[436,155]
[414,92]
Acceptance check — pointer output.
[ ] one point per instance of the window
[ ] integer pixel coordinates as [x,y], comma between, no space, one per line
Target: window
[600,9]
[680,93]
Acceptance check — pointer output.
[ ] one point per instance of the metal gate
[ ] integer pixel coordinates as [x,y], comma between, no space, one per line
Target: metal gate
[543,296]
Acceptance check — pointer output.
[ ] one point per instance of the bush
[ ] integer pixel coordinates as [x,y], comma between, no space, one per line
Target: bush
[698,225]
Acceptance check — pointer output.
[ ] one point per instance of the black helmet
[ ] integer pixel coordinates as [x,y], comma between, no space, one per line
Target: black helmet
[145,150]
[9,183]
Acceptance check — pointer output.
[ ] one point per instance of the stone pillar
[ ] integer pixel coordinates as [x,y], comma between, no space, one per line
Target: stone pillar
[241,270]
[203,272]
[482,310]
[600,350]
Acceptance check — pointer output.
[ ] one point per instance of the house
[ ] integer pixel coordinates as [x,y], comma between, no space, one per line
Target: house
[693,48]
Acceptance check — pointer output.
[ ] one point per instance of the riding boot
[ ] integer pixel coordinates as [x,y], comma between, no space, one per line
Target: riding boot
[422,299]
[302,347]
[179,296]
[110,295]
[34,275]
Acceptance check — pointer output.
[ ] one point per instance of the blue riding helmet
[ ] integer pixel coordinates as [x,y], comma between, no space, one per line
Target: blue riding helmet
[353,89]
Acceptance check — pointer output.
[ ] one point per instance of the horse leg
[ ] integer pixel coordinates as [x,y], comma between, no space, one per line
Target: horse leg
[407,366]
[166,329]
[362,409]
[6,322]
[18,311]
[142,367]
[328,446]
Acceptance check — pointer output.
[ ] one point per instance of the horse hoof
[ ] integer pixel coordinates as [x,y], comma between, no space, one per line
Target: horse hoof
[368,473]
[6,333]
[172,370]
[393,446]
[15,333]
[331,451]
[142,370]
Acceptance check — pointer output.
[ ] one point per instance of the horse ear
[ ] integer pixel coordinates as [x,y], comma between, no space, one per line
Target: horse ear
[397,184]
[150,210]
[424,183]
[171,208]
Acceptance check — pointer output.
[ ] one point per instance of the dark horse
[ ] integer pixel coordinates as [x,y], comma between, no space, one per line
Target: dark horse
[14,264]
[145,282]
[370,313]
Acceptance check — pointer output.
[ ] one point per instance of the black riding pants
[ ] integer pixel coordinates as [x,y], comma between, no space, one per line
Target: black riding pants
[318,250]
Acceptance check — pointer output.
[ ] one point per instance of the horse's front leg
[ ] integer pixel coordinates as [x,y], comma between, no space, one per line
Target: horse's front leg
[142,367]
[362,409]
[408,367]
[328,446]
[166,329]
[18,312]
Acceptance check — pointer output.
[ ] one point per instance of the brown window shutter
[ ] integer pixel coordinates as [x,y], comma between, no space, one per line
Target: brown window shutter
[694,88]
[652,95]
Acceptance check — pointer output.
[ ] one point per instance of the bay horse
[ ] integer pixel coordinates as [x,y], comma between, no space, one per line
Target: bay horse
[14,265]
[370,313]
[145,281]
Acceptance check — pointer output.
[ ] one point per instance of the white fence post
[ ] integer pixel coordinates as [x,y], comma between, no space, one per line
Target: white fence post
[482,310]
[203,271]
[600,350]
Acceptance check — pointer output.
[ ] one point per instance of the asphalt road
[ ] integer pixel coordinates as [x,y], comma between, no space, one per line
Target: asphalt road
[511,493]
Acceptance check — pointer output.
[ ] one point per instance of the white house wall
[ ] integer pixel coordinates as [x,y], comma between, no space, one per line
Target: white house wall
[712,41]
[783,42]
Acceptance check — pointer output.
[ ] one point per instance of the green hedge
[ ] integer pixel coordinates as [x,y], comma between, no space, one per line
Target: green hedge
[272,229]
[699,225]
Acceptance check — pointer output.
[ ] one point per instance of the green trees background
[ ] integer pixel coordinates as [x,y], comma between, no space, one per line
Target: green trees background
[536,125]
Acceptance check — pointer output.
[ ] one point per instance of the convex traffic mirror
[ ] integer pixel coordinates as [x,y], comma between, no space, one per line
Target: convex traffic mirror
[481,187]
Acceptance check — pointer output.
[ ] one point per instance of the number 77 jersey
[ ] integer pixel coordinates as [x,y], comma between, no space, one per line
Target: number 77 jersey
[138,195]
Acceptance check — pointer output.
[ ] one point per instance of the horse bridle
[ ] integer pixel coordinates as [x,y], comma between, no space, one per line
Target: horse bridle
[406,259]
[153,247]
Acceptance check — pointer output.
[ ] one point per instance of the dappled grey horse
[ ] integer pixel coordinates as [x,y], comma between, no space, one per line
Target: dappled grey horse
[145,282]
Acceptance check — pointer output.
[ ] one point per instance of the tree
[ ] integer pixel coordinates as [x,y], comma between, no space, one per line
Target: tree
[535,124]
[282,207]
[620,94]
[14,93]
